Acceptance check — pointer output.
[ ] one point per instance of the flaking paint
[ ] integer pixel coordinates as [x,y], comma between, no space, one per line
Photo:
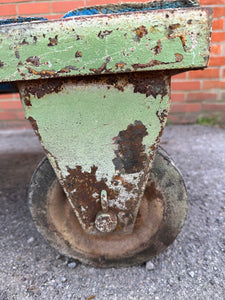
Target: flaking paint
[142,40]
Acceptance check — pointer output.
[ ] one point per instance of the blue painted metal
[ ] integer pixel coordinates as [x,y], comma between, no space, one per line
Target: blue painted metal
[20,20]
[113,9]
[8,88]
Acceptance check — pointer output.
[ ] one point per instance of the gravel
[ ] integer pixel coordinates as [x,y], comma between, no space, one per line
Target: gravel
[149,266]
[193,267]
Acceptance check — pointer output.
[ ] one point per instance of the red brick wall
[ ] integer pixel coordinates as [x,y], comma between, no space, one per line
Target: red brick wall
[195,94]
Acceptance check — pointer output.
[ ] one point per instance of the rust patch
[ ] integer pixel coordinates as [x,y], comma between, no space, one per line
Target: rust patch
[172,34]
[1,64]
[103,34]
[51,73]
[141,31]
[152,63]
[119,179]
[158,48]
[24,42]
[85,192]
[183,41]
[17,54]
[154,83]
[130,156]
[34,60]
[27,101]
[78,54]
[53,41]
[153,86]
[103,67]
[120,65]
[173,27]
[43,73]
[152,193]
[68,69]
[178,57]
[35,127]
[162,115]
[42,88]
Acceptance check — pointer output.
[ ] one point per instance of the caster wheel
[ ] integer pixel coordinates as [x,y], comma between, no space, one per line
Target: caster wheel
[161,216]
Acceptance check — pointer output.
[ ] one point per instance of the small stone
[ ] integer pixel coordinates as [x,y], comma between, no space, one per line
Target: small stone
[170,281]
[191,273]
[30,240]
[150,266]
[72,265]
[63,279]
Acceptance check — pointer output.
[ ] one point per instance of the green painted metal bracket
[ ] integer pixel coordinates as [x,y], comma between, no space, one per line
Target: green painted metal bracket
[100,133]
[106,44]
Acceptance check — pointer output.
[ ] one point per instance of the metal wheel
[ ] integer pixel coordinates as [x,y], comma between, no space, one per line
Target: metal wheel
[160,218]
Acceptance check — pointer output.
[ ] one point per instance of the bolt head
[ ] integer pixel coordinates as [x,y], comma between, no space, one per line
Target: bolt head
[106,222]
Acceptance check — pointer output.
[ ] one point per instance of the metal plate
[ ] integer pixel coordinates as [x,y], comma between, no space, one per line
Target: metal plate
[106,44]
[100,133]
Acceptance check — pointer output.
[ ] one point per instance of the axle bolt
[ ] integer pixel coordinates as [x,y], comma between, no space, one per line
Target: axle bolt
[105,220]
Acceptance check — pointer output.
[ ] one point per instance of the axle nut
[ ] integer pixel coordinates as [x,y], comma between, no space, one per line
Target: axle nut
[106,221]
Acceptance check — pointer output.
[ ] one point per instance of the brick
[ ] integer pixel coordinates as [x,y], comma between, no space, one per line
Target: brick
[218,12]
[185,85]
[215,61]
[19,124]
[33,8]
[65,6]
[16,96]
[216,49]
[141,1]
[12,1]
[180,76]
[218,24]
[100,2]
[54,17]
[213,106]
[213,84]
[211,2]
[177,97]
[7,115]
[201,97]
[223,96]
[8,10]
[6,96]
[218,37]
[224,73]
[207,73]
[184,118]
[20,115]
[8,105]
[185,107]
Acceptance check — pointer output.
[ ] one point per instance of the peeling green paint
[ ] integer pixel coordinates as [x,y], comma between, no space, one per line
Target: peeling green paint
[78,126]
[87,118]
[104,42]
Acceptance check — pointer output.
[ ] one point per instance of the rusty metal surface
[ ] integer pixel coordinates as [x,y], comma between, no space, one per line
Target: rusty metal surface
[161,216]
[106,44]
[100,134]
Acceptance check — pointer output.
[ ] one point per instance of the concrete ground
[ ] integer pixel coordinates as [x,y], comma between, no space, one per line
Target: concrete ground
[193,267]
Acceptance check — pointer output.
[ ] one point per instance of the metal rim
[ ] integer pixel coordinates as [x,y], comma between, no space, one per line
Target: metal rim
[161,217]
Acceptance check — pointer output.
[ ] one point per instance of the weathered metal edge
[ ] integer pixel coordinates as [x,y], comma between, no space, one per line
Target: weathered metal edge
[25,65]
